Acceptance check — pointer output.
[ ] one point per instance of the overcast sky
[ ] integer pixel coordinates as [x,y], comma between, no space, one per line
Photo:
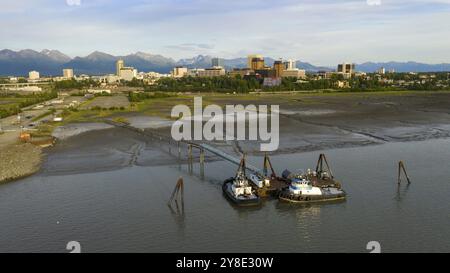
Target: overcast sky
[322,32]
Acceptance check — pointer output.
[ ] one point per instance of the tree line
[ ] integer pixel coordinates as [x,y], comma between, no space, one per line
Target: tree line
[25,100]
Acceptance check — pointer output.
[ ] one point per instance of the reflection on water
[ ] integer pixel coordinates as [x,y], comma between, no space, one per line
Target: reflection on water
[126,210]
[402,190]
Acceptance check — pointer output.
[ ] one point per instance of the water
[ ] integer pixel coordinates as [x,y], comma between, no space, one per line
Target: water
[125,210]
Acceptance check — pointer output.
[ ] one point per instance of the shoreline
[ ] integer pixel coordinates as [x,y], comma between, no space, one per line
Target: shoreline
[19,161]
[309,122]
[33,157]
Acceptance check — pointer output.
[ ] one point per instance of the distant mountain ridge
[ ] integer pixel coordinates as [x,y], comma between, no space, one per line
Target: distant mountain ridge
[403,67]
[51,62]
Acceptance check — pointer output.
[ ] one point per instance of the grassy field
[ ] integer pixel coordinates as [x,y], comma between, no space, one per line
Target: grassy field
[161,107]
[10,105]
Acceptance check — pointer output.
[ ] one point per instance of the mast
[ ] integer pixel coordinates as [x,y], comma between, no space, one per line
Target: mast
[268,164]
[242,166]
[321,163]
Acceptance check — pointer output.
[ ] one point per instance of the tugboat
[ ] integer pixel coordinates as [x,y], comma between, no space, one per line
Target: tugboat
[301,190]
[238,189]
[317,186]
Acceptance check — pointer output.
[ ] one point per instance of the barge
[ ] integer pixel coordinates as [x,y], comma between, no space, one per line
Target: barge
[267,185]
[322,177]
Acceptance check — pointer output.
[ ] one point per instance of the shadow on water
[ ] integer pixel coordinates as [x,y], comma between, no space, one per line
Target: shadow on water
[243,208]
[178,214]
[288,207]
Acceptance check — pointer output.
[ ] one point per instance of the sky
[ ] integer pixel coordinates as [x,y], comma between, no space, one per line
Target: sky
[322,32]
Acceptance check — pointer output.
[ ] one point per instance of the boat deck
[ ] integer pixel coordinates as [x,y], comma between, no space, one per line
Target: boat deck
[276,186]
[323,183]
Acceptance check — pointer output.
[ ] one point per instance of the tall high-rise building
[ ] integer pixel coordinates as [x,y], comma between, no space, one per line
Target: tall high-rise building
[250,59]
[278,66]
[346,68]
[68,73]
[119,65]
[33,75]
[381,71]
[289,65]
[217,62]
[257,63]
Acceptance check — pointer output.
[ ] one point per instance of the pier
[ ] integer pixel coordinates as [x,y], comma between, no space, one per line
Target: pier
[202,147]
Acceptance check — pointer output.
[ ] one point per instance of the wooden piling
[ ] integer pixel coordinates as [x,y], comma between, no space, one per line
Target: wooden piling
[178,191]
[202,156]
[202,164]
[401,167]
[190,152]
[265,165]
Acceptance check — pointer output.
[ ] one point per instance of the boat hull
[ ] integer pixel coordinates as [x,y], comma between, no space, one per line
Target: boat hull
[253,200]
[287,196]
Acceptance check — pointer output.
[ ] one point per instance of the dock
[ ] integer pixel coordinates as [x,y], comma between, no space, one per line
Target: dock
[202,147]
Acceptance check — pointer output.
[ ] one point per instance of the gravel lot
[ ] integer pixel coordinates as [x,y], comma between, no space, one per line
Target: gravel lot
[108,102]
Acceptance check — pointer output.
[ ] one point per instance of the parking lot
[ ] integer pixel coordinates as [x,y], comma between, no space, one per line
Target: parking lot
[107,102]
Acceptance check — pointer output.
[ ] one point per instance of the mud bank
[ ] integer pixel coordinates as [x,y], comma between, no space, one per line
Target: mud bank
[74,129]
[307,123]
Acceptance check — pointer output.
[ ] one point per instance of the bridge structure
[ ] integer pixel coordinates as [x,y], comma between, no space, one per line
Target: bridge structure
[202,147]
[229,157]
[24,84]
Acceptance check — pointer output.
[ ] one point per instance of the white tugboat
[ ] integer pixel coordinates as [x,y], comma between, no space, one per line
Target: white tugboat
[301,190]
[239,190]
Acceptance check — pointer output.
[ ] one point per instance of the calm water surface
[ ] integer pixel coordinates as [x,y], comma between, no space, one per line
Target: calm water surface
[126,211]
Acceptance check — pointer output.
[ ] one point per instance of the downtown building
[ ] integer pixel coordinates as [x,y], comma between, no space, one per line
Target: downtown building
[217,62]
[33,76]
[346,69]
[216,71]
[68,73]
[179,72]
[125,73]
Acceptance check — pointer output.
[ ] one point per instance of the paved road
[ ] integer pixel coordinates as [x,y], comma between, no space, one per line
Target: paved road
[11,126]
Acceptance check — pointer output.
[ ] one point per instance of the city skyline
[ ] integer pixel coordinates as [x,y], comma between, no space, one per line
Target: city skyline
[320,32]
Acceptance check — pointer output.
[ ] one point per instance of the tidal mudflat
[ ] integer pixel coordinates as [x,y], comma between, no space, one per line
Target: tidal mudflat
[108,187]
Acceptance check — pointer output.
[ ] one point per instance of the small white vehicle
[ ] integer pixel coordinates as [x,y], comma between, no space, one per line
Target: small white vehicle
[259,181]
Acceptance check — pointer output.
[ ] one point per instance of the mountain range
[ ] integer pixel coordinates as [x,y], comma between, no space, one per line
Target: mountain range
[51,62]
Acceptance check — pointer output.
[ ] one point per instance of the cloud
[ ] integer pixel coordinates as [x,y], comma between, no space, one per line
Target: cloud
[323,32]
[191,46]
[73,2]
[374,2]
